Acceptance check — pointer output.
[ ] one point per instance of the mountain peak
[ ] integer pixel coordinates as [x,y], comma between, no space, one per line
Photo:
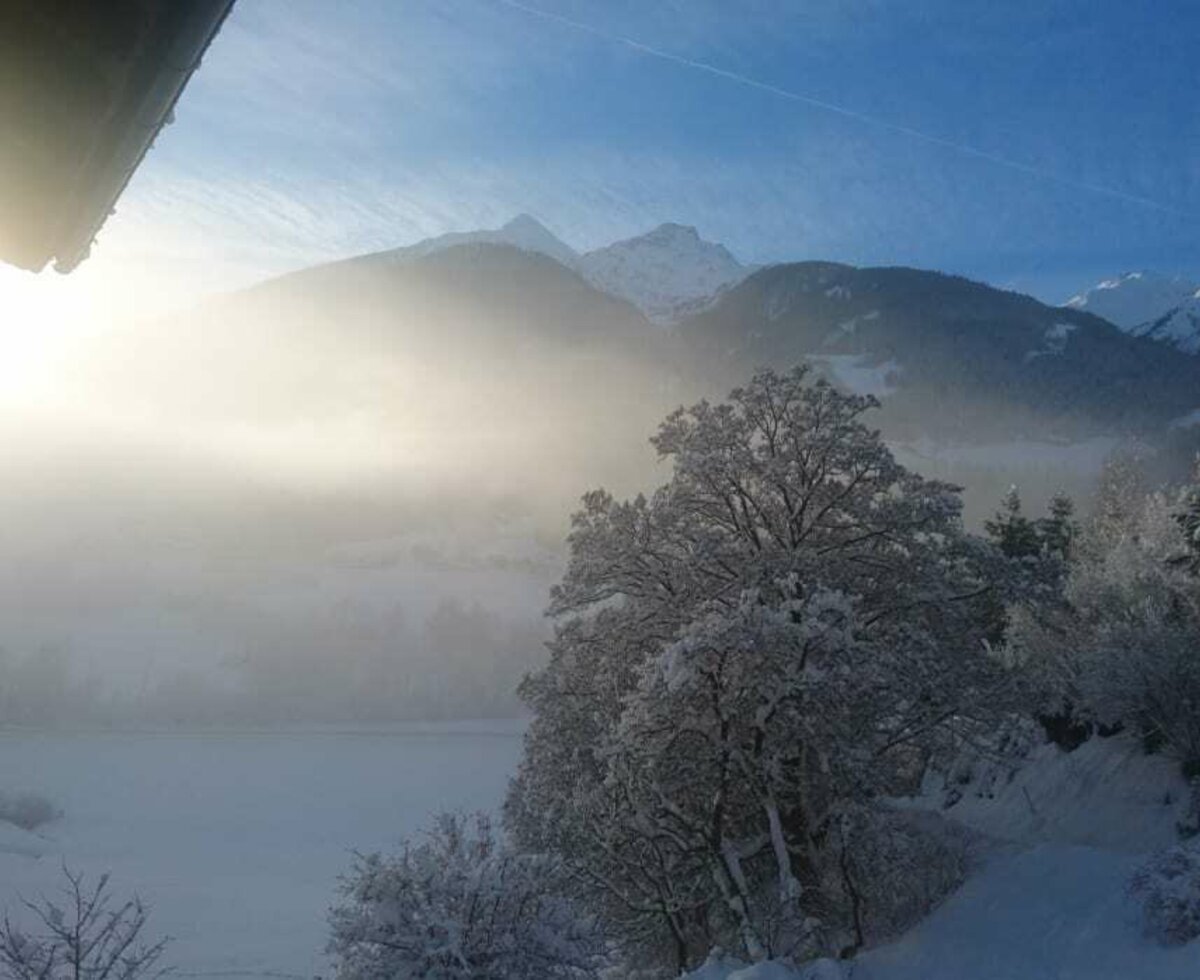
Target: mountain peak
[523,232]
[671,230]
[524,222]
[667,272]
[1148,304]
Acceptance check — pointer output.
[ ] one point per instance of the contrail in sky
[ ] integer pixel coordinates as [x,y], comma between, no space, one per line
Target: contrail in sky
[862,117]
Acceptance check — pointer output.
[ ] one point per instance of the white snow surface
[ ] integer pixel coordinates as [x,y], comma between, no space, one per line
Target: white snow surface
[1055,341]
[1052,912]
[1107,793]
[14,840]
[237,840]
[667,272]
[1186,421]
[720,967]
[1148,304]
[857,374]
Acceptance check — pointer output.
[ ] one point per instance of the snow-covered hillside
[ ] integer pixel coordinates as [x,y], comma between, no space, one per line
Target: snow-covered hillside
[1052,912]
[1148,304]
[667,273]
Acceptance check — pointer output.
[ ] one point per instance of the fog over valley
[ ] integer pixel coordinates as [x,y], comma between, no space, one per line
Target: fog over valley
[599,490]
[269,505]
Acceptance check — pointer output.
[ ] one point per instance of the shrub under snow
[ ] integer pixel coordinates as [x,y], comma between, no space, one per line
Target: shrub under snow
[890,869]
[720,967]
[27,810]
[459,906]
[1168,888]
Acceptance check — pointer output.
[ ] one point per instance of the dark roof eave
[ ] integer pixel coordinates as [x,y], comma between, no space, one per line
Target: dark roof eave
[97,197]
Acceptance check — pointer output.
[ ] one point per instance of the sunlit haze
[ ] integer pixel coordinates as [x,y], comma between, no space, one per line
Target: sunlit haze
[747,450]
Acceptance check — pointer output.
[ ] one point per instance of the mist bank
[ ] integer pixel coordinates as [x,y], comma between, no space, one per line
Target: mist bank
[271,509]
[341,665]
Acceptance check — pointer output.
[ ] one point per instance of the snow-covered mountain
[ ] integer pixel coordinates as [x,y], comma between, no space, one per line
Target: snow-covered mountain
[667,273]
[1148,304]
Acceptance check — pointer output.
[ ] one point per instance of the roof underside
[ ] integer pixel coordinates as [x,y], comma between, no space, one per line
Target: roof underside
[85,86]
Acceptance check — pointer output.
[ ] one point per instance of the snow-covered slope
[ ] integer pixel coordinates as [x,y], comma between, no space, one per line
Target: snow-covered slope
[14,840]
[1053,912]
[1147,304]
[1049,913]
[1049,900]
[1107,793]
[667,272]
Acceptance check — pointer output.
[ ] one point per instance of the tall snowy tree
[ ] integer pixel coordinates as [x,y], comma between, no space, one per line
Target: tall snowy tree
[1058,530]
[1188,517]
[1014,533]
[1120,493]
[772,636]
[1121,649]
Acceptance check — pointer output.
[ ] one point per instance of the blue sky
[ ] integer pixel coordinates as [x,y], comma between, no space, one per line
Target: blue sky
[1038,145]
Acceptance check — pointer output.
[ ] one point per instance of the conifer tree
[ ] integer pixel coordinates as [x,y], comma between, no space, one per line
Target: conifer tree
[1011,531]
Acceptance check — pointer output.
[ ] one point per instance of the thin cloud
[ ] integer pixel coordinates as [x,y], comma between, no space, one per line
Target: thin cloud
[861,117]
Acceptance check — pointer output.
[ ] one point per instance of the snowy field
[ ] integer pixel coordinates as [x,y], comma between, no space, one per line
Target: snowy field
[237,840]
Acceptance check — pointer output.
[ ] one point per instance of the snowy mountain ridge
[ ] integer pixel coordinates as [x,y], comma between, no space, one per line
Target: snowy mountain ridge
[1148,304]
[667,273]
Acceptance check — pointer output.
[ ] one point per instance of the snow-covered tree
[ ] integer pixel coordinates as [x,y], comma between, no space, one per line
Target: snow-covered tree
[1122,486]
[1125,647]
[1039,548]
[1038,553]
[1189,523]
[887,869]
[459,905]
[1014,533]
[1058,530]
[774,634]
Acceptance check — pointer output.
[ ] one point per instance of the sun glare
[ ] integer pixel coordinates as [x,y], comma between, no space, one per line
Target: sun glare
[37,314]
